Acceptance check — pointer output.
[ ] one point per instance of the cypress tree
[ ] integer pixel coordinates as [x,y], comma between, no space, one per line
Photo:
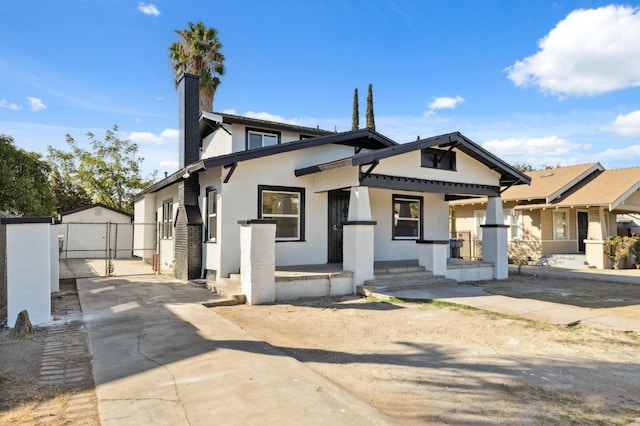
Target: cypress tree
[371,122]
[355,118]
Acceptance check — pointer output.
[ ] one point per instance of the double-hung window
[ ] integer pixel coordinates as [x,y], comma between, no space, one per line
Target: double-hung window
[260,138]
[512,218]
[560,225]
[407,217]
[286,206]
[166,226]
[212,215]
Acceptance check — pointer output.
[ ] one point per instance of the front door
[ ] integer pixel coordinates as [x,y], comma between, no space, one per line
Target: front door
[338,206]
[583,226]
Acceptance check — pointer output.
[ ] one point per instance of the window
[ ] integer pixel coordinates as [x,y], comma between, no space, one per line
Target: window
[286,206]
[560,225]
[515,223]
[259,138]
[166,226]
[480,217]
[512,218]
[212,215]
[407,214]
[438,159]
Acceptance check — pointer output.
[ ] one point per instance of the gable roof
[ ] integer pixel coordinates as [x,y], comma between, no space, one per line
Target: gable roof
[91,206]
[361,138]
[210,120]
[508,174]
[609,188]
[550,184]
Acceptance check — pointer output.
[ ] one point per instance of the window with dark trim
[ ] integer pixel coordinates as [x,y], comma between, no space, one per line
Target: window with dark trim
[166,226]
[407,217]
[285,205]
[212,215]
[258,138]
[306,136]
[438,159]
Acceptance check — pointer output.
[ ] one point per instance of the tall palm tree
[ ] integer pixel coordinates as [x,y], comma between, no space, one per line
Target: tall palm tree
[198,52]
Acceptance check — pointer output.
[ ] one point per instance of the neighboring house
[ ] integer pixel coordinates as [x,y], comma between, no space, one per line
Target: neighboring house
[353,197]
[628,224]
[84,232]
[565,211]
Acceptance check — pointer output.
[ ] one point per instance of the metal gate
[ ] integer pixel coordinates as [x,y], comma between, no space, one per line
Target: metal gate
[107,248]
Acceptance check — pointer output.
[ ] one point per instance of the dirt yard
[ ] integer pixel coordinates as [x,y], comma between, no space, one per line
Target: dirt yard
[441,364]
[421,363]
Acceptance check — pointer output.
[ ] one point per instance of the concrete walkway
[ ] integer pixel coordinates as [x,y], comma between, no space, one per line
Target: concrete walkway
[553,313]
[160,357]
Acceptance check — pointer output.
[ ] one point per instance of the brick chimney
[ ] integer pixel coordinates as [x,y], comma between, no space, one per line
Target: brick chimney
[188,225]
[188,98]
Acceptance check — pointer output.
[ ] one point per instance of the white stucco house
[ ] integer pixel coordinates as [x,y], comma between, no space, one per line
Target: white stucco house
[350,198]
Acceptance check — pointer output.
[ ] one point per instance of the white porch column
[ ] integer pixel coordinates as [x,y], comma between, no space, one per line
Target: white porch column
[258,260]
[29,270]
[596,235]
[432,255]
[358,237]
[494,239]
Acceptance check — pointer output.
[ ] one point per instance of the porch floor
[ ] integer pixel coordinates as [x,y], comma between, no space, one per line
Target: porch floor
[335,269]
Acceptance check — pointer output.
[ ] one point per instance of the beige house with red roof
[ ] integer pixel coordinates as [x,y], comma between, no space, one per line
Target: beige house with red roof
[560,219]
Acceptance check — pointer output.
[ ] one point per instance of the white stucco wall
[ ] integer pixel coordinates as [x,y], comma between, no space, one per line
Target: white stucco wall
[468,169]
[434,222]
[145,229]
[217,143]
[239,136]
[211,253]
[29,272]
[166,246]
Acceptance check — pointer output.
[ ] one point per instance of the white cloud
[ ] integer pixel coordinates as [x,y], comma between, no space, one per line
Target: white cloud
[269,117]
[36,104]
[590,52]
[166,163]
[149,9]
[10,105]
[165,137]
[443,102]
[626,125]
[538,152]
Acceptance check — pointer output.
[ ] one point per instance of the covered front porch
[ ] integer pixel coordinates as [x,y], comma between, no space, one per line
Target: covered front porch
[331,279]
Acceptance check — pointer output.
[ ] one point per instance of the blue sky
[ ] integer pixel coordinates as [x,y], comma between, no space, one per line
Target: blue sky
[536,82]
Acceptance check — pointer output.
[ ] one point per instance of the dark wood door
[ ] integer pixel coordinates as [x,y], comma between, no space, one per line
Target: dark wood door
[338,206]
[583,227]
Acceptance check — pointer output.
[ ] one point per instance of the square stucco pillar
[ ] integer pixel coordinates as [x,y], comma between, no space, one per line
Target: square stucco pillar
[432,255]
[494,239]
[258,260]
[358,241]
[55,259]
[29,266]
[358,250]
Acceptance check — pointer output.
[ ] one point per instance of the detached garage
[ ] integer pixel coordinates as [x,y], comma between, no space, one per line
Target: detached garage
[85,231]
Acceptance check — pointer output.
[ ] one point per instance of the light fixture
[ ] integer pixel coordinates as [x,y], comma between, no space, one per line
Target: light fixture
[186,174]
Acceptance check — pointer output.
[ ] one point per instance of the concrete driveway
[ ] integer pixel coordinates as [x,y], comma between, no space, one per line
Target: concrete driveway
[161,357]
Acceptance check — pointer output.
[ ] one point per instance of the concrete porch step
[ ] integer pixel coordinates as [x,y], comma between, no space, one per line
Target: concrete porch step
[228,288]
[404,280]
[382,270]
